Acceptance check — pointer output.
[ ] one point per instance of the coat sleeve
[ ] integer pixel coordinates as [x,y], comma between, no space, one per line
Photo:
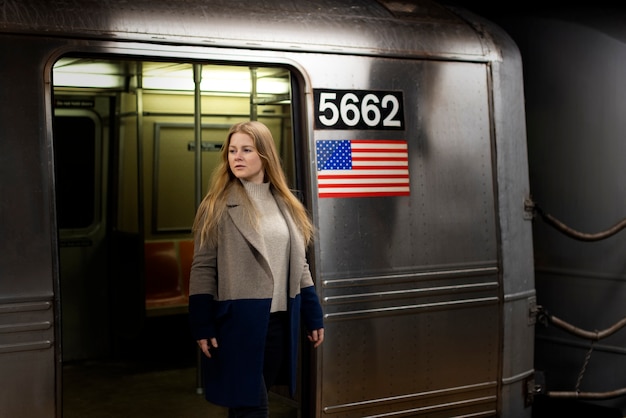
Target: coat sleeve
[201,317]
[203,291]
[203,275]
[311,309]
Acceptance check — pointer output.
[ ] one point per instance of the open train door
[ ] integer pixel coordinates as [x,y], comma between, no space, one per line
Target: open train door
[132,164]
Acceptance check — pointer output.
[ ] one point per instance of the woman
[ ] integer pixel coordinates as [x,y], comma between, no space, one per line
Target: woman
[250,282]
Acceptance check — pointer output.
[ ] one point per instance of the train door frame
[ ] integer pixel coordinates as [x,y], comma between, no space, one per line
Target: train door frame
[299,134]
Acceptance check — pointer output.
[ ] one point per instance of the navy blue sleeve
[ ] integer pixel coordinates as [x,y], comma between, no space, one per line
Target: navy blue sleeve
[201,317]
[311,309]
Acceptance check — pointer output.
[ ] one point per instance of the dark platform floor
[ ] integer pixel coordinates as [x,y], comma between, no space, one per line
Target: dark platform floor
[156,383]
[109,390]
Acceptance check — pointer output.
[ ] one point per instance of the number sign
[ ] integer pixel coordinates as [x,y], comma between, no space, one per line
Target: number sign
[359,109]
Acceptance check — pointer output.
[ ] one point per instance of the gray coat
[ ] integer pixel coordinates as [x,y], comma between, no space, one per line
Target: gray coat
[231,288]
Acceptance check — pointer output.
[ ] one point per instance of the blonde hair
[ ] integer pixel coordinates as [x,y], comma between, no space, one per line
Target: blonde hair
[212,207]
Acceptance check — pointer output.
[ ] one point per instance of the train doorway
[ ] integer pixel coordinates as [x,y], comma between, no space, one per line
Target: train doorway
[135,143]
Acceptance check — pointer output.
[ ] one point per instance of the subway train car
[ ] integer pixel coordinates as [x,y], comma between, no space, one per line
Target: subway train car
[112,116]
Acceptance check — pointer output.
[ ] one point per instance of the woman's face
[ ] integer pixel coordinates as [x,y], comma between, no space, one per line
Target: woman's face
[243,158]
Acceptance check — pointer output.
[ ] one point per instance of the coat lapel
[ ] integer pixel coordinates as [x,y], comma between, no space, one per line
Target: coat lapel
[242,223]
[240,219]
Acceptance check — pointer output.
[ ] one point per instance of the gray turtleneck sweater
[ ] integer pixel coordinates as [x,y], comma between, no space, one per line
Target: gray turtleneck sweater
[275,233]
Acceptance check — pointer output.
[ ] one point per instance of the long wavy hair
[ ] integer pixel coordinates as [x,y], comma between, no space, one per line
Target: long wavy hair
[213,205]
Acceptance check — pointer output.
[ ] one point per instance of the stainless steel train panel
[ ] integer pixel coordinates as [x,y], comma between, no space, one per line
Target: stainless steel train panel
[351,26]
[403,277]
[449,218]
[27,358]
[27,288]
[439,351]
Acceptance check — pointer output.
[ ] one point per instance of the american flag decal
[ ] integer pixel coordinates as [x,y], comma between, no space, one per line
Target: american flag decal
[362,168]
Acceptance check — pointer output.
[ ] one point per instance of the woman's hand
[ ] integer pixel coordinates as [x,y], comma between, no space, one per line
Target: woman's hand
[317,337]
[206,345]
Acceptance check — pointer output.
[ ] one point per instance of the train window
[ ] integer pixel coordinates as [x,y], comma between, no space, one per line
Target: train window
[154,113]
[76,158]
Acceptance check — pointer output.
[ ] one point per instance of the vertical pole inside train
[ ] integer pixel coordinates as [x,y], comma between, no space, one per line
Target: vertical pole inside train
[253,94]
[140,197]
[197,117]
[197,123]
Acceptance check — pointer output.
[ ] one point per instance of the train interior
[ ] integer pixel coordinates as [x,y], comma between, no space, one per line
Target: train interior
[152,132]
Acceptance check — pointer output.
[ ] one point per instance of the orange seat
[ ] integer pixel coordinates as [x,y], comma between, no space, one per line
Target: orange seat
[185,249]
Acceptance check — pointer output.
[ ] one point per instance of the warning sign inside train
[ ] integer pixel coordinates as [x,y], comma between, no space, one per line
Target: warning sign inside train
[362,168]
[359,109]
